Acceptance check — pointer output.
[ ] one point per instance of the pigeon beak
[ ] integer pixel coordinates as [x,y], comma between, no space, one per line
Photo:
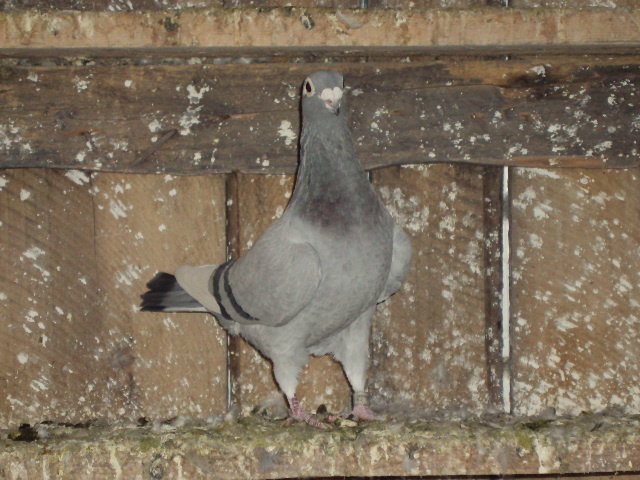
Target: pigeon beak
[332,99]
[333,106]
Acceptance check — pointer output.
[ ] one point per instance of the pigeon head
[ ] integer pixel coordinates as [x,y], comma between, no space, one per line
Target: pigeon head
[322,92]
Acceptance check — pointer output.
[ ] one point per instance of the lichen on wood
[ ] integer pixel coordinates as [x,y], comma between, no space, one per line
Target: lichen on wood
[254,448]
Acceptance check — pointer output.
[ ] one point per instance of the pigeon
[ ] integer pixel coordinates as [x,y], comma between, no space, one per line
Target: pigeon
[310,284]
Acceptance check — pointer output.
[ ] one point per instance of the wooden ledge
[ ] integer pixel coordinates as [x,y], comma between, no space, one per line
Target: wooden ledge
[253,448]
[310,28]
[192,118]
[201,91]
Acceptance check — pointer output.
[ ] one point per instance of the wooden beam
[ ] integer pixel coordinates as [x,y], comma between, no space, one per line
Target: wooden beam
[308,28]
[492,218]
[232,210]
[255,449]
[196,116]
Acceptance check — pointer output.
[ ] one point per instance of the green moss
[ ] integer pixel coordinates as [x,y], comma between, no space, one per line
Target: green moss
[265,447]
[149,442]
[525,439]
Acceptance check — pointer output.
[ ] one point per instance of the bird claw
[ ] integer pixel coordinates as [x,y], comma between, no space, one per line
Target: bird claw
[299,415]
[364,413]
[308,419]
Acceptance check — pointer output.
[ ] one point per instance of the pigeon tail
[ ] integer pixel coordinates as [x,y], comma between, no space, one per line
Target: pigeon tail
[166,295]
[196,282]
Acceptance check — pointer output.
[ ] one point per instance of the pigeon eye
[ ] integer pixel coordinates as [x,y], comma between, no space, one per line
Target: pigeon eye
[308,88]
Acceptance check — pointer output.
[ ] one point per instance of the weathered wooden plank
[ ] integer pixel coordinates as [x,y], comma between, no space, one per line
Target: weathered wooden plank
[50,322]
[283,27]
[172,5]
[351,4]
[575,289]
[233,229]
[492,226]
[163,365]
[108,5]
[255,449]
[262,199]
[428,339]
[530,111]
[76,253]
[573,3]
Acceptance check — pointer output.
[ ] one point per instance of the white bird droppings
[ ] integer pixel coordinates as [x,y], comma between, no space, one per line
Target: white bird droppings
[77,176]
[287,132]
[195,95]
[81,85]
[117,209]
[189,119]
[155,126]
[539,70]
[33,253]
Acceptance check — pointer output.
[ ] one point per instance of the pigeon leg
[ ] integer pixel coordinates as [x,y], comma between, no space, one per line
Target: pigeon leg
[353,353]
[299,415]
[361,410]
[286,371]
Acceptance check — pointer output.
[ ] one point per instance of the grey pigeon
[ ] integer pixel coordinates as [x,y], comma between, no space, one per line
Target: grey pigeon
[309,285]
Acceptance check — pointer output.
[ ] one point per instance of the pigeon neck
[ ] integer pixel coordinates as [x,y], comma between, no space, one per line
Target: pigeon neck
[327,156]
[331,183]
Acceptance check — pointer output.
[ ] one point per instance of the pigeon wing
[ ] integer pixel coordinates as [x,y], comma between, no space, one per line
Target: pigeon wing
[400,261]
[269,285]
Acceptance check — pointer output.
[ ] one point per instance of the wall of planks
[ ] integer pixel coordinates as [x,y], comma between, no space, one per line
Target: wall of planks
[537,317]
[77,249]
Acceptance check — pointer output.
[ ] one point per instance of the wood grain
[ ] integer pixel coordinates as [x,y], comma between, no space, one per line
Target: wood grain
[162,365]
[76,253]
[493,210]
[429,339]
[531,111]
[173,5]
[575,287]
[281,28]
[573,3]
[50,321]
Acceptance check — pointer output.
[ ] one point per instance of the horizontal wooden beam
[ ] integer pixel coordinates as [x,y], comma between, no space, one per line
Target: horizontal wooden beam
[253,448]
[309,28]
[195,115]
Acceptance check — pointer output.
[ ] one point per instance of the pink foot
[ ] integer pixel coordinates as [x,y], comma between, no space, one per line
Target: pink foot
[299,415]
[363,412]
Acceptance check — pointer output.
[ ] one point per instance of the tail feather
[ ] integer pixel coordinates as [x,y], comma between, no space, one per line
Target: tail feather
[166,295]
